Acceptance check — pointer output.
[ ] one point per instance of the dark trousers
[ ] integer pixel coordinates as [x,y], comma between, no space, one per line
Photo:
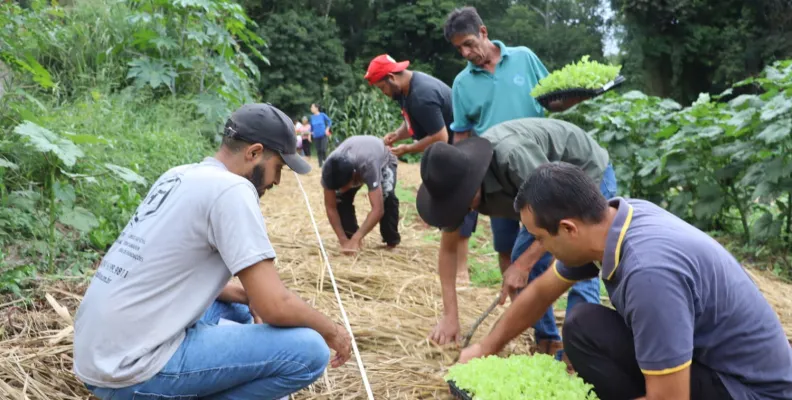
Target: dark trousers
[600,347]
[306,146]
[321,149]
[389,224]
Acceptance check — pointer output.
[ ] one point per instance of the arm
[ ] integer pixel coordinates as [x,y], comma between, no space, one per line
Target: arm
[328,121]
[399,134]
[374,216]
[233,293]
[462,124]
[278,306]
[447,329]
[446,268]
[421,145]
[526,310]
[332,214]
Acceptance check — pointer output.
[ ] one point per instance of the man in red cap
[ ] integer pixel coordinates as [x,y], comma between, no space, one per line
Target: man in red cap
[426,107]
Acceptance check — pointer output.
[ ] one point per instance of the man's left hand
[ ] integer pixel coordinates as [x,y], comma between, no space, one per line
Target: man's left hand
[469,353]
[351,246]
[514,278]
[400,150]
[256,318]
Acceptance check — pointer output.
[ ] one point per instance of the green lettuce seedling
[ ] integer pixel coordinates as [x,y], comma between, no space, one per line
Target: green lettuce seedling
[537,377]
[582,74]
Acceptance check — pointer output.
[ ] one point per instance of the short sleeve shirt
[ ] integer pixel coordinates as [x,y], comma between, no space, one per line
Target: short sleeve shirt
[482,99]
[686,298]
[427,108]
[369,155]
[522,145]
[198,225]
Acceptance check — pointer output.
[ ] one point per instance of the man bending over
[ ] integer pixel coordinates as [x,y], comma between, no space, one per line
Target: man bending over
[689,323]
[152,323]
[484,173]
[361,160]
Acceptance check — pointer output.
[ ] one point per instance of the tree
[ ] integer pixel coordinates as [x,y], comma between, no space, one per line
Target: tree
[304,51]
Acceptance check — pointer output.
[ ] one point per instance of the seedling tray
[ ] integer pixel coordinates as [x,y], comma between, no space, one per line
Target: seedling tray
[570,97]
[459,393]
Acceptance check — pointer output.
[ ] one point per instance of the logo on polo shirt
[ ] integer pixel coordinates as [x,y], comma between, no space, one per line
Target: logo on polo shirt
[519,80]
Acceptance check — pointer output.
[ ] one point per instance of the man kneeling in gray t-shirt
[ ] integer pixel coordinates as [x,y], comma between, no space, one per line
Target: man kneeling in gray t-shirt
[161,319]
[357,161]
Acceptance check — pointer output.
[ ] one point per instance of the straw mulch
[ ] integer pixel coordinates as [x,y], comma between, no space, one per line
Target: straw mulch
[392,300]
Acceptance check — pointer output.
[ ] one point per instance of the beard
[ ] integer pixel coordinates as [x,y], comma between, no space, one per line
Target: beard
[257,179]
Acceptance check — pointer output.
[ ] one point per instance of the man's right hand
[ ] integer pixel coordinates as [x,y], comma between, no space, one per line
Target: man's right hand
[340,341]
[446,331]
[390,139]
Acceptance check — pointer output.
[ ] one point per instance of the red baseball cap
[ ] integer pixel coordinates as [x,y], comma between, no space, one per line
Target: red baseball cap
[383,65]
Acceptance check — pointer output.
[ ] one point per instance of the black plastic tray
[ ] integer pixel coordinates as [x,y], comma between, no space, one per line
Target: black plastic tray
[459,393]
[577,93]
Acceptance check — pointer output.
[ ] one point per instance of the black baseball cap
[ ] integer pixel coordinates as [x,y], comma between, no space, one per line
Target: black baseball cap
[265,124]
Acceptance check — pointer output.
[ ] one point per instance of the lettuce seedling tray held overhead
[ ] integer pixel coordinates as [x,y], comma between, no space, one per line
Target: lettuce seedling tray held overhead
[566,98]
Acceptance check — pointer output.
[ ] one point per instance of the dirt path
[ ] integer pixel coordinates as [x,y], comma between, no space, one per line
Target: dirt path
[392,300]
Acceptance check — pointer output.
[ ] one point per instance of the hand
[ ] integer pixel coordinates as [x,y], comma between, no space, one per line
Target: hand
[514,278]
[256,318]
[351,246]
[400,150]
[340,341]
[446,331]
[469,353]
[390,138]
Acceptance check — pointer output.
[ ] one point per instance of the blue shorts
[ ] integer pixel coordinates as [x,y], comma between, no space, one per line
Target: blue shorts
[469,225]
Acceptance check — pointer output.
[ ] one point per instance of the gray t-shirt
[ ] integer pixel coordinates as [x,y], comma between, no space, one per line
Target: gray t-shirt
[686,298]
[199,225]
[369,155]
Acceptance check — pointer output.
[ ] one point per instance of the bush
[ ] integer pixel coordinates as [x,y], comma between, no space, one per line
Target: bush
[723,166]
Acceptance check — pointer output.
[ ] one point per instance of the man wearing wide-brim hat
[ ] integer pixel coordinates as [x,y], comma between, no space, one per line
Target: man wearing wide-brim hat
[485,173]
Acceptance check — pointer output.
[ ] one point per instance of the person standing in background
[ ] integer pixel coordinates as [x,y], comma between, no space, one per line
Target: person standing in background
[320,129]
[425,102]
[495,87]
[304,130]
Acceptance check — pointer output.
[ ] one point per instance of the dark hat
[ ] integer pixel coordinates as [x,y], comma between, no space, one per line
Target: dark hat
[265,124]
[451,176]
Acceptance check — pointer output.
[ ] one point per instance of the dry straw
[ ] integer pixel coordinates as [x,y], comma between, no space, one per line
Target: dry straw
[391,297]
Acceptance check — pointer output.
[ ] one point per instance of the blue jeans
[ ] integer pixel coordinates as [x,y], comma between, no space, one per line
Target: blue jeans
[584,291]
[233,362]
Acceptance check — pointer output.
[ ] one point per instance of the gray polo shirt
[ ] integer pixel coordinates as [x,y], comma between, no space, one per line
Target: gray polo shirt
[686,298]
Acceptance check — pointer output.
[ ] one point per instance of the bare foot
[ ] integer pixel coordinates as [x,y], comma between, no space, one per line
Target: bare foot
[463,278]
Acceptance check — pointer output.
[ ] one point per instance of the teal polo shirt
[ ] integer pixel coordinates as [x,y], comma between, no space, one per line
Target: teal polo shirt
[481,99]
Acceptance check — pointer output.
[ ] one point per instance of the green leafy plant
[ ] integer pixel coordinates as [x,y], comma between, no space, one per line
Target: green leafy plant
[537,377]
[583,74]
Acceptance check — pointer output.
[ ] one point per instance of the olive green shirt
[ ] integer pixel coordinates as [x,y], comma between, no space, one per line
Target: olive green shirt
[522,145]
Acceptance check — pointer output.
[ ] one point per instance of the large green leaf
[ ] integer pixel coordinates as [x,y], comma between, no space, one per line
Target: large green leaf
[779,105]
[46,141]
[766,227]
[776,131]
[711,200]
[126,173]
[79,219]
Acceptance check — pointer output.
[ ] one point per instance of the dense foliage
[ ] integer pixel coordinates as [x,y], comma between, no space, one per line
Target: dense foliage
[723,165]
[537,377]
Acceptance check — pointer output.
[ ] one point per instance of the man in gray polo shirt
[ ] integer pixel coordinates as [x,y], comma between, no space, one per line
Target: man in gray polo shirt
[688,321]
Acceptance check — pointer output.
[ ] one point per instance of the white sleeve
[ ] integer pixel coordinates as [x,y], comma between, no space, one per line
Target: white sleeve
[237,229]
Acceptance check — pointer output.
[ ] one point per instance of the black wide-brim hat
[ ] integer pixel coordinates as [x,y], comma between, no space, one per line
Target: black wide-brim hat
[450,176]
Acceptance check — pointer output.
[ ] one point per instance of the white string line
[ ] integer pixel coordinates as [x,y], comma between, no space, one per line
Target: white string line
[335,289]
